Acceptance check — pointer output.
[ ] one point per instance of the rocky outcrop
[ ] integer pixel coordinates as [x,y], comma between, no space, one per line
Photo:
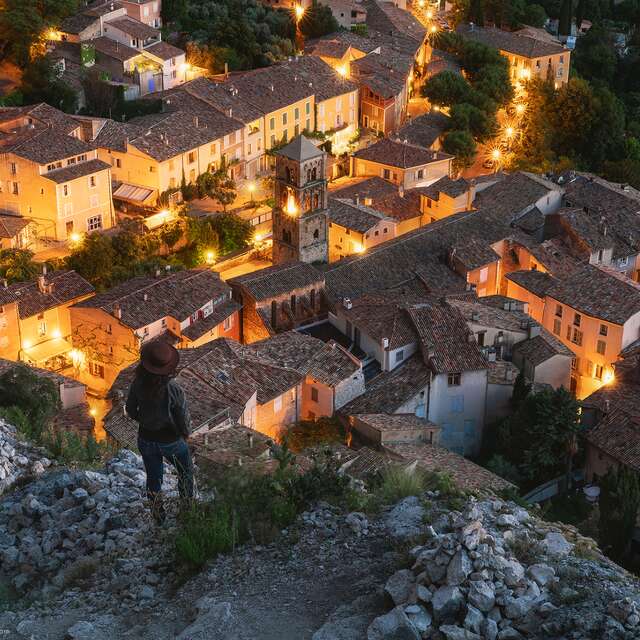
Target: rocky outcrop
[81,547]
[496,572]
[18,460]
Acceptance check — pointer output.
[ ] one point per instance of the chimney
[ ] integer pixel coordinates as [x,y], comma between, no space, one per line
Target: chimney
[117,311]
[607,405]
[250,440]
[475,316]
[401,191]
[491,356]
[226,70]
[44,269]
[385,343]
[357,198]
[195,121]
[230,113]
[534,330]
[145,296]
[42,286]
[347,303]
[158,273]
[5,283]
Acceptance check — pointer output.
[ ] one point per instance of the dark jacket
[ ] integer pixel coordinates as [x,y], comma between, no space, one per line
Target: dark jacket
[164,417]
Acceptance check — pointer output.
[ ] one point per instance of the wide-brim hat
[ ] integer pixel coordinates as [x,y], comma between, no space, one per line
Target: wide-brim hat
[159,357]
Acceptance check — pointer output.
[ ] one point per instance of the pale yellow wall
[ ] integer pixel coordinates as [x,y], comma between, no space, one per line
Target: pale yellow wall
[273,134]
[44,201]
[524,68]
[408,178]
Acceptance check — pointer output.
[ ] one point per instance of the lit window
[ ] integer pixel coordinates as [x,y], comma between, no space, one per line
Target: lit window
[576,319]
[557,326]
[228,323]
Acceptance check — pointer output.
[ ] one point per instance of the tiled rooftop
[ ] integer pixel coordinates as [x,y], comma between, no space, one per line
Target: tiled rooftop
[274,281]
[133,28]
[424,130]
[512,42]
[537,282]
[599,292]
[147,299]
[448,186]
[78,170]
[61,287]
[388,391]
[541,348]
[476,312]
[350,215]
[618,435]
[399,154]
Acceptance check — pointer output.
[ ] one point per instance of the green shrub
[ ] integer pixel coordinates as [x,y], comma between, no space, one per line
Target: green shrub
[398,483]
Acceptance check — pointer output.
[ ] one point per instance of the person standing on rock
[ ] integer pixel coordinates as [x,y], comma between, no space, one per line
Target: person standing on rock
[157,402]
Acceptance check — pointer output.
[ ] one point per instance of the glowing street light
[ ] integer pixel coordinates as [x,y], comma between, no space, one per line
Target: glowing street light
[342,70]
[495,155]
[75,237]
[421,3]
[433,28]
[509,131]
[608,377]
[520,109]
[429,14]
[251,187]
[210,257]
[299,11]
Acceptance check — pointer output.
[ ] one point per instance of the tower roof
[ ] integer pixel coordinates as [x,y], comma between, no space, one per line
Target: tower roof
[300,149]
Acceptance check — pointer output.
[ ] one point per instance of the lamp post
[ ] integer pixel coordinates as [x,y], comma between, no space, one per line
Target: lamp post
[298,13]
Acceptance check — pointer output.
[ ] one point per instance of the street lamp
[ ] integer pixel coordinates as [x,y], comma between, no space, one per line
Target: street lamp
[298,12]
[252,187]
[509,131]
[433,28]
[210,257]
[520,108]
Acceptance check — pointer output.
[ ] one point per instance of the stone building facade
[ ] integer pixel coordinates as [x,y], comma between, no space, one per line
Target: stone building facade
[300,229]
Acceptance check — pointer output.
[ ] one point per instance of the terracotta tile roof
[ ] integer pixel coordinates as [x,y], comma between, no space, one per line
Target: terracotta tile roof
[473,254]
[541,348]
[398,154]
[61,287]
[531,221]
[553,254]
[383,195]
[44,143]
[384,71]
[467,475]
[114,49]
[101,8]
[114,135]
[133,28]
[300,149]
[537,282]
[167,135]
[147,299]
[599,292]
[327,362]
[354,216]
[335,45]
[222,96]
[512,42]
[75,171]
[388,391]
[386,422]
[11,226]
[164,51]
[515,194]
[448,186]
[326,81]
[279,279]
[219,314]
[618,435]
[57,378]
[424,130]
[382,316]
[476,312]
[446,343]
[385,17]
[502,372]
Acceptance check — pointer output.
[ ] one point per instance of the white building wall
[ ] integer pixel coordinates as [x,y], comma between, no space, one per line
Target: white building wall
[459,410]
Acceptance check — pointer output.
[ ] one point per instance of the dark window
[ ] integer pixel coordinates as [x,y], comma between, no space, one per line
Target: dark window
[453,379]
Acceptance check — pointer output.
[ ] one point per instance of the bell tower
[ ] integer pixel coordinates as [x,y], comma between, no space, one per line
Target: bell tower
[300,213]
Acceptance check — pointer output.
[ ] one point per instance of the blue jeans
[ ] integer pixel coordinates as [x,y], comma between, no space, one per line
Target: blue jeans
[175,453]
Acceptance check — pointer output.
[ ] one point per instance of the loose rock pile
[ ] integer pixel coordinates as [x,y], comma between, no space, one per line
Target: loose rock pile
[70,524]
[17,459]
[466,583]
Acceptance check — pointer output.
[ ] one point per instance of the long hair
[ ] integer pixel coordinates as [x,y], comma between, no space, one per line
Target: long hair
[151,384]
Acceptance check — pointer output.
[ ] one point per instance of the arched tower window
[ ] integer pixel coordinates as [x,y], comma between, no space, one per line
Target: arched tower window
[316,234]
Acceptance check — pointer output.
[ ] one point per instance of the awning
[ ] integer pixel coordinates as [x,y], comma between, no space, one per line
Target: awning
[133,193]
[48,349]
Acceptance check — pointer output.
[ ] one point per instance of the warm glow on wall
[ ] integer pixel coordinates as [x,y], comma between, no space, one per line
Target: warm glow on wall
[608,377]
[342,70]
[77,357]
[56,333]
[75,237]
[525,74]
[292,207]
[358,248]
[520,108]
[26,344]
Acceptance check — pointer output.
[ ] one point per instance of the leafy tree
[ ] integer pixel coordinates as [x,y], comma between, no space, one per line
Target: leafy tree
[623,171]
[102,99]
[22,23]
[565,19]
[540,437]
[495,84]
[461,144]
[17,265]
[476,12]
[534,15]
[504,468]
[41,84]
[35,396]
[94,260]
[318,20]
[595,57]
[619,503]
[233,232]
[447,88]
[482,125]
[521,390]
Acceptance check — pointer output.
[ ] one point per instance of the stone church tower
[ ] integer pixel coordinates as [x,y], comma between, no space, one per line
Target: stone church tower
[300,227]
